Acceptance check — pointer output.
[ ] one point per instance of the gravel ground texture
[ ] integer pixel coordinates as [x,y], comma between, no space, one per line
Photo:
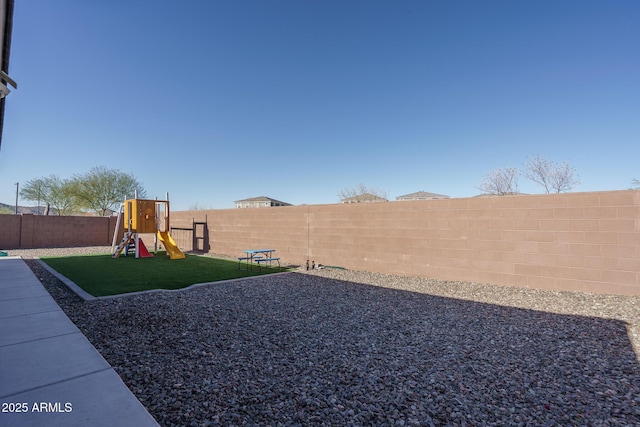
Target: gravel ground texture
[338,347]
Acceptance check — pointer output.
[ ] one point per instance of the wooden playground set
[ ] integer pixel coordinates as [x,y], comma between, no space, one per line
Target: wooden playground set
[141,216]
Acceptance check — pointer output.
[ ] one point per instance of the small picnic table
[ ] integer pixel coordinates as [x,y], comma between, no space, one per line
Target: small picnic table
[257,256]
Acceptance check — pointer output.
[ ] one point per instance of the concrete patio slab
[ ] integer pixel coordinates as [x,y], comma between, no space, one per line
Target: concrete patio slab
[27,291]
[26,366]
[100,399]
[22,306]
[13,274]
[50,373]
[30,327]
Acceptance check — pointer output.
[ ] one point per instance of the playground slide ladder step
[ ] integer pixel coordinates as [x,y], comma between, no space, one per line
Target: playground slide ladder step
[122,244]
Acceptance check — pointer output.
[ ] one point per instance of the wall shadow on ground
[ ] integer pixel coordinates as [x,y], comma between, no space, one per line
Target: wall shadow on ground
[312,349]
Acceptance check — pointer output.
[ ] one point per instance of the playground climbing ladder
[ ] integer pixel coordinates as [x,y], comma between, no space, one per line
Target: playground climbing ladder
[125,240]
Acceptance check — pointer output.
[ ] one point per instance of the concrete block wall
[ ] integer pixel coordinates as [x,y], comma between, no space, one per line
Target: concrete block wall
[577,241]
[10,231]
[583,241]
[39,231]
[233,230]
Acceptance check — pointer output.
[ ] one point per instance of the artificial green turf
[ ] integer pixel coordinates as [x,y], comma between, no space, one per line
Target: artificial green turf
[102,275]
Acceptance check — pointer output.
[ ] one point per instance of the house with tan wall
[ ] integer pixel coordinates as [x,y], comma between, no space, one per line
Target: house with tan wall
[422,195]
[259,202]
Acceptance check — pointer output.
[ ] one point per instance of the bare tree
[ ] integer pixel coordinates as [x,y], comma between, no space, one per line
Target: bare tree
[563,178]
[538,170]
[362,194]
[198,207]
[553,177]
[500,182]
[635,182]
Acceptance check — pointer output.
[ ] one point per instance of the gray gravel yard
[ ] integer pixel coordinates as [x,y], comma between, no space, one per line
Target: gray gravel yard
[337,347]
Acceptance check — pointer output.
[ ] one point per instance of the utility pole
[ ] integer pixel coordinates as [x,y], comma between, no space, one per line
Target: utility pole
[17,198]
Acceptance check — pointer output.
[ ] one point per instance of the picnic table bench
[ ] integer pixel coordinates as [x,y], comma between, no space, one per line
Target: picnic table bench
[257,256]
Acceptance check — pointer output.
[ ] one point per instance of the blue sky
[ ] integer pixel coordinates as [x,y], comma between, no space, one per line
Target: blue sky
[215,101]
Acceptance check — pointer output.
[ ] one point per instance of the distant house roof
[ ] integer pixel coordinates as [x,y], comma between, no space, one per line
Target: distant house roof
[422,195]
[515,193]
[259,202]
[364,198]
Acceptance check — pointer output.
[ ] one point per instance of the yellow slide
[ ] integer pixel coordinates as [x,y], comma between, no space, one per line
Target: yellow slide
[170,245]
